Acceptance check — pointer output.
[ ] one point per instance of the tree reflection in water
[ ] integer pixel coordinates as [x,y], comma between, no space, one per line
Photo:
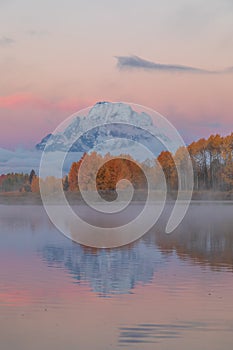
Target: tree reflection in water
[205,237]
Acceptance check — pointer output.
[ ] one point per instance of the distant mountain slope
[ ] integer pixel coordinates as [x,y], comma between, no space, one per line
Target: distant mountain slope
[112,114]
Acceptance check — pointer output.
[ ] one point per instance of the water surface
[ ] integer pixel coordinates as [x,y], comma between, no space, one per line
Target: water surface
[161,292]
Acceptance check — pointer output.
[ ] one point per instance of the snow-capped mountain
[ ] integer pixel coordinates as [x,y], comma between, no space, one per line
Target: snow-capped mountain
[106,121]
[126,274]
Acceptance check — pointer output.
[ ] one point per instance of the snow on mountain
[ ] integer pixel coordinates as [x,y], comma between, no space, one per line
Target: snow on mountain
[73,258]
[120,138]
[122,123]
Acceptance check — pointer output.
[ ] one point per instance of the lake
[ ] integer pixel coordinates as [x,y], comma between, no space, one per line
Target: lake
[162,292]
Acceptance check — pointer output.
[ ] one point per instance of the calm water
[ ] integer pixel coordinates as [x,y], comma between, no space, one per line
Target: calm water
[162,292]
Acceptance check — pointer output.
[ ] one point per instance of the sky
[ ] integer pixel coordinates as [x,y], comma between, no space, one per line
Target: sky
[56,57]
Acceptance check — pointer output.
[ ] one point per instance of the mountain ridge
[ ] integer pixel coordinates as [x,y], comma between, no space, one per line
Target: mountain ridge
[105,121]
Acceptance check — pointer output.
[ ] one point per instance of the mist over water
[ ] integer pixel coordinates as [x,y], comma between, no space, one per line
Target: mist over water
[170,290]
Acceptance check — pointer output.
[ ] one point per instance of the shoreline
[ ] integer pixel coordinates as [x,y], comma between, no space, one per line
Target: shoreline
[15,198]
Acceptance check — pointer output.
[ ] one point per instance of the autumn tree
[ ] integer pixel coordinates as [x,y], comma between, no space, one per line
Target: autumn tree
[212,161]
[73,177]
[35,188]
[168,166]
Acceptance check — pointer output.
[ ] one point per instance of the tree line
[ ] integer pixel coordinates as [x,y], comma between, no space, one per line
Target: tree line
[18,182]
[212,161]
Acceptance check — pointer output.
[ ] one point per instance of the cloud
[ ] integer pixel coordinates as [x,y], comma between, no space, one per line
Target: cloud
[23,161]
[19,161]
[5,41]
[135,62]
[37,33]
[229,70]
[23,101]
[17,100]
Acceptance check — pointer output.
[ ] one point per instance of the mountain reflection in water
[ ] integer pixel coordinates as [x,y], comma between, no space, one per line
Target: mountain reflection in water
[205,237]
[163,291]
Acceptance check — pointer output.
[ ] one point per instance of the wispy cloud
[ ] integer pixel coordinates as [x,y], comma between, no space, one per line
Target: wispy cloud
[38,33]
[135,62]
[19,161]
[5,41]
[229,70]
[17,101]
[28,101]
[22,160]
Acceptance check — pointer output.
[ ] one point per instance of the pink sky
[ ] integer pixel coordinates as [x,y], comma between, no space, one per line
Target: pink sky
[52,66]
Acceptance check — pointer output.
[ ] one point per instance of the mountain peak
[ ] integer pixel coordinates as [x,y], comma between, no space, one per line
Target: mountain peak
[102,102]
[105,121]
